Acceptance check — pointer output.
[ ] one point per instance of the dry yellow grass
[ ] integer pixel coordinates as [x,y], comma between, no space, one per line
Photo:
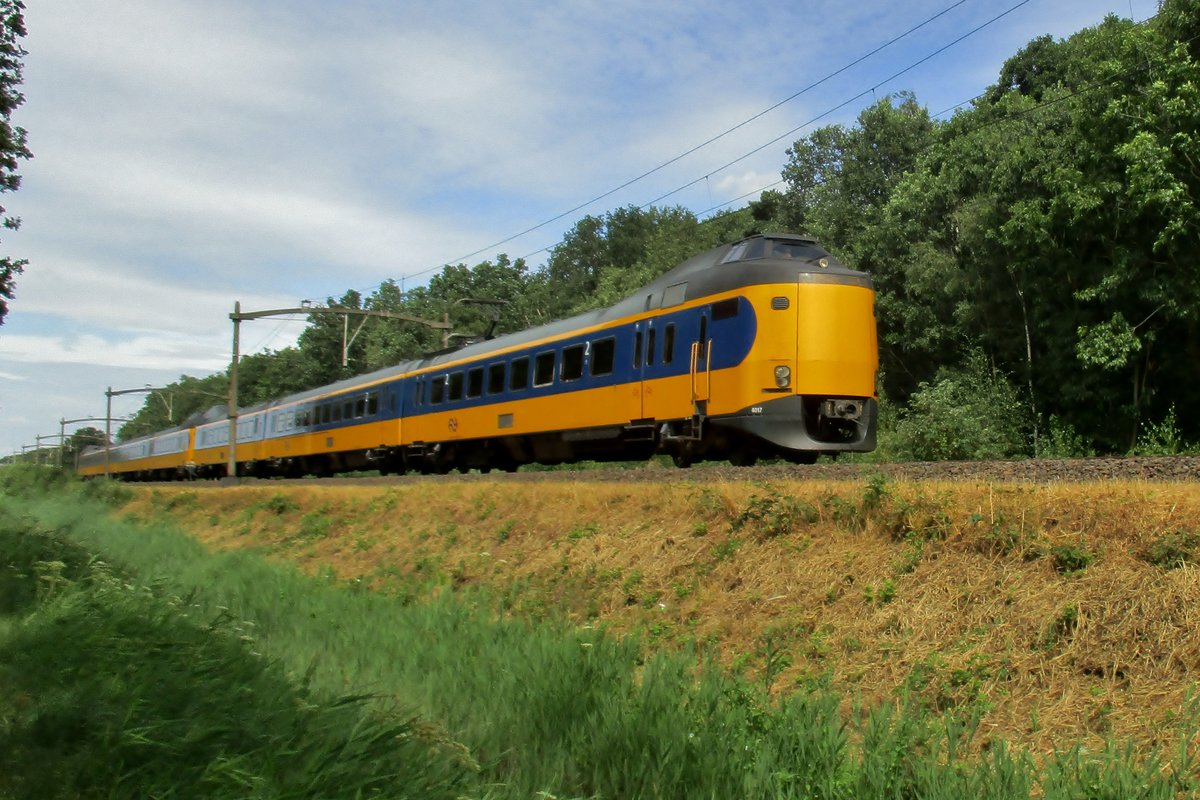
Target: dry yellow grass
[960,594]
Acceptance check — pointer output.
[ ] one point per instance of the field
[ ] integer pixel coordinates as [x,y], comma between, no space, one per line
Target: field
[1035,639]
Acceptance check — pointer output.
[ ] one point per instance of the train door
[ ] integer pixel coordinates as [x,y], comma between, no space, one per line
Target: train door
[637,370]
[701,357]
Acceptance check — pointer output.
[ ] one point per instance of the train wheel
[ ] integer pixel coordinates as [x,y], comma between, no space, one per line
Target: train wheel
[681,459]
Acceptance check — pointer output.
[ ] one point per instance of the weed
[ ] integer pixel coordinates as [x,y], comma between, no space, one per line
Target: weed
[1174,549]
[279,504]
[505,530]
[709,504]
[1161,439]
[911,557]
[881,596]
[314,525]
[876,491]
[818,643]
[775,656]
[844,512]
[1062,628]
[182,501]
[111,493]
[774,515]
[1071,559]
[583,531]
[725,549]
[483,509]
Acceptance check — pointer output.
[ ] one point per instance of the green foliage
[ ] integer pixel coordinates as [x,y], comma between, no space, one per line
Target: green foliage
[31,479]
[113,691]
[1161,439]
[106,491]
[279,504]
[1062,441]
[1070,559]
[1174,549]
[772,514]
[880,595]
[13,139]
[972,413]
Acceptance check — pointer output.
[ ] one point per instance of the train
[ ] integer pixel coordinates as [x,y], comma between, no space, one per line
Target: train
[763,348]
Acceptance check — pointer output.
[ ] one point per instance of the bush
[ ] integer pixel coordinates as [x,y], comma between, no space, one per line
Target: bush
[24,479]
[1062,441]
[1161,438]
[970,413]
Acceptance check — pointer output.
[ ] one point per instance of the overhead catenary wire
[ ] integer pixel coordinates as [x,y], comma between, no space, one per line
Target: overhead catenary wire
[1015,116]
[874,87]
[811,121]
[841,105]
[706,142]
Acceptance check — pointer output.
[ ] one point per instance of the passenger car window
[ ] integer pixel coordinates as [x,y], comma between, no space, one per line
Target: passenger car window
[495,378]
[603,356]
[475,382]
[571,368]
[543,369]
[519,374]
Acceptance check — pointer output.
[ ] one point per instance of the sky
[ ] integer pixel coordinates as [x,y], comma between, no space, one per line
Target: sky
[193,153]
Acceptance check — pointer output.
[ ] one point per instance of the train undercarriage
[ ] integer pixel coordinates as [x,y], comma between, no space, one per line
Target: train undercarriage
[795,429]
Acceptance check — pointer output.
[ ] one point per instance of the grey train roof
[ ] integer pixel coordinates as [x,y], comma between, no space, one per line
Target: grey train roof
[705,274]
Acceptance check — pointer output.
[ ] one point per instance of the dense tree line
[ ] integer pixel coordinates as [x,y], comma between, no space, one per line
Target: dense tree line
[13,139]
[1034,255]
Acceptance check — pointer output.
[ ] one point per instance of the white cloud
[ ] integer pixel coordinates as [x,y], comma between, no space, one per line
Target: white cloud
[157,352]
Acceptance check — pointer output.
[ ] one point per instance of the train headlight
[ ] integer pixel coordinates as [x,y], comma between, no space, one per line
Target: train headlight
[783,377]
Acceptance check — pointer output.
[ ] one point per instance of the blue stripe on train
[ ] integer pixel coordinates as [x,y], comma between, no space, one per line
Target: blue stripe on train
[733,336]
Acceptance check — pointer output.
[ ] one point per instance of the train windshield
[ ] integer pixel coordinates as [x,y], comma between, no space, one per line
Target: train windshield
[774,248]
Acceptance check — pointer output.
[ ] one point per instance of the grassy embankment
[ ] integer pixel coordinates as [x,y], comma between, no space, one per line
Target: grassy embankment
[1049,616]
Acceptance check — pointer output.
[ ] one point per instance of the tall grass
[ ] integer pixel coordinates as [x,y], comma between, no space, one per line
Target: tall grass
[575,712]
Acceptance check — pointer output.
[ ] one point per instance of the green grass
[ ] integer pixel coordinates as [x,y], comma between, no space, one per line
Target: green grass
[538,707]
[111,690]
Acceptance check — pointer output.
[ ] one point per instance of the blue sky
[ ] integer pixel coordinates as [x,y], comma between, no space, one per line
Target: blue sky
[191,154]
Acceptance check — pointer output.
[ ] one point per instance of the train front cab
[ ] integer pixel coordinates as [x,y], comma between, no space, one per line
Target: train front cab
[807,384]
[814,368]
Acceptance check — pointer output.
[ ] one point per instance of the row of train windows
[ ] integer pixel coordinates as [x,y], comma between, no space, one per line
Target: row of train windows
[365,405]
[600,355]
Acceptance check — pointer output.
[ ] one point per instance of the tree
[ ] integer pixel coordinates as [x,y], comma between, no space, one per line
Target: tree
[12,139]
[174,403]
[80,440]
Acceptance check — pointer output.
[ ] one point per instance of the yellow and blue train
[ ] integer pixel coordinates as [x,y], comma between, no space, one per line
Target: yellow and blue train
[763,348]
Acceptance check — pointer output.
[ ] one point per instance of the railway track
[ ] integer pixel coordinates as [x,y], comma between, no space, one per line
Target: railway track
[1071,470]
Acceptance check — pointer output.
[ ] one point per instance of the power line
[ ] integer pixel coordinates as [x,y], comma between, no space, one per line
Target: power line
[703,144]
[762,147]
[1014,116]
[841,105]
